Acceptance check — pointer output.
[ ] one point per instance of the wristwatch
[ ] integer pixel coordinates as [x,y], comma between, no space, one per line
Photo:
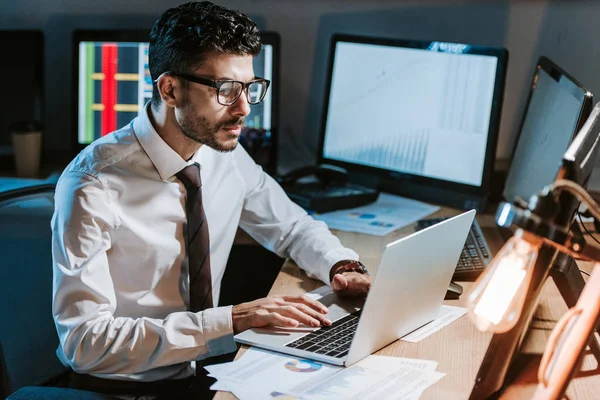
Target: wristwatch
[352,266]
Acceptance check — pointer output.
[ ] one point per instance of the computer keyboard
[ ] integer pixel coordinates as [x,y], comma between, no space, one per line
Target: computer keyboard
[331,340]
[475,254]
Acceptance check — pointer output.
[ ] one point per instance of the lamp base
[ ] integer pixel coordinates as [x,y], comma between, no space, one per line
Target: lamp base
[502,361]
[564,353]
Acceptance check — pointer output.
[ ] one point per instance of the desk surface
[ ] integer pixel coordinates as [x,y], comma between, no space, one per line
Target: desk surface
[459,347]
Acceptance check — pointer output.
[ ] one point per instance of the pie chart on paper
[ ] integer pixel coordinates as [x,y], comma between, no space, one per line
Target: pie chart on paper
[303,366]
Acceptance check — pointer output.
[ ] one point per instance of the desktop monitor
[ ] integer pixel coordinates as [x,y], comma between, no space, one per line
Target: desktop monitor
[113,83]
[557,107]
[22,71]
[415,118]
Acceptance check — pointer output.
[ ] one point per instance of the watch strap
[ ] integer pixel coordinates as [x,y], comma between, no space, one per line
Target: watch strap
[352,266]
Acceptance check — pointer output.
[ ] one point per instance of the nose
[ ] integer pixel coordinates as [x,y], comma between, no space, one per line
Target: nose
[241,107]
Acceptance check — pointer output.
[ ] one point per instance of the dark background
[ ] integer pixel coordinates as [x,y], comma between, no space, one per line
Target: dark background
[562,30]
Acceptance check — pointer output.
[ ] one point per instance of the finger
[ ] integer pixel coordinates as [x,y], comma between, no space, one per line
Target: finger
[339,283]
[314,304]
[276,319]
[357,284]
[293,312]
[317,315]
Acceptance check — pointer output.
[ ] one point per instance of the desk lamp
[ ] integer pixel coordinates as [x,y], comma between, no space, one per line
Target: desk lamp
[498,297]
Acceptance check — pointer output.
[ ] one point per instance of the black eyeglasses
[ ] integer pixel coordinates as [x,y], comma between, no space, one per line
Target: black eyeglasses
[228,91]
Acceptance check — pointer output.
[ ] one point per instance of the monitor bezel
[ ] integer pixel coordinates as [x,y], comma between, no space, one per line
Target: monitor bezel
[272,38]
[399,177]
[143,35]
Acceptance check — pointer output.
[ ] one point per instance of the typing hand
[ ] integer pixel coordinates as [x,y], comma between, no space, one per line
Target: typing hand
[351,284]
[286,311]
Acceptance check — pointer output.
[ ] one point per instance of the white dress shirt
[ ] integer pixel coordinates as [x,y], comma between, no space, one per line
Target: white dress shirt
[119,261]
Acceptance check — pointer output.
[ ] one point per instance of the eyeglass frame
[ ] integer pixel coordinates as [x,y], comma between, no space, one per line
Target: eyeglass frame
[216,84]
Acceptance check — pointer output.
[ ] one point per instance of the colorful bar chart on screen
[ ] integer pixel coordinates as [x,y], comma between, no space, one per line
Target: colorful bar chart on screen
[114,84]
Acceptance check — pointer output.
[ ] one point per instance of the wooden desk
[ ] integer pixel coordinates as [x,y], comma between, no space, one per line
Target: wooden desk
[459,347]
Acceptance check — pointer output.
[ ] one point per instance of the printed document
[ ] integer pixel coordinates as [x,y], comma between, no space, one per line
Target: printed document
[261,374]
[386,215]
[447,315]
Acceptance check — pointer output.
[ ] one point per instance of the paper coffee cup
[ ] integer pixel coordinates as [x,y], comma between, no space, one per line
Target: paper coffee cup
[27,148]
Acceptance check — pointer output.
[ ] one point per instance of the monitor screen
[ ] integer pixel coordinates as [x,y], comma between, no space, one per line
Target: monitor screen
[557,107]
[424,111]
[22,69]
[114,83]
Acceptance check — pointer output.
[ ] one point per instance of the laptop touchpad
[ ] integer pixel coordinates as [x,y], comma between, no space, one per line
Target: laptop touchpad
[339,307]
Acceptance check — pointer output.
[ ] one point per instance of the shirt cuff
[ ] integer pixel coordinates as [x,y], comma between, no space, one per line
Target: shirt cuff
[333,257]
[217,327]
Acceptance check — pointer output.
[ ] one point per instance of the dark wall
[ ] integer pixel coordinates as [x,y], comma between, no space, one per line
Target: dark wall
[476,24]
[563,30]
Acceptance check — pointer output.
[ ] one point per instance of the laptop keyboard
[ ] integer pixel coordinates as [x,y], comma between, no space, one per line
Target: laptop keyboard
[475,255]
[331,340]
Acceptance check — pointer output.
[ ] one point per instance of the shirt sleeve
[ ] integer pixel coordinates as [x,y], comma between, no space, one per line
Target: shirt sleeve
[92,338]
[280,225]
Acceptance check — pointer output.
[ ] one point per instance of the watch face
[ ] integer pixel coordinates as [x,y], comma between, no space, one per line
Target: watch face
[362,266]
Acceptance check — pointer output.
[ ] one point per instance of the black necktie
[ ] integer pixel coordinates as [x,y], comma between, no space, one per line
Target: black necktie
[198,245]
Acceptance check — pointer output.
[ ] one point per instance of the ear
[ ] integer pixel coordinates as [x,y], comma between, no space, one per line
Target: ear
[170,90]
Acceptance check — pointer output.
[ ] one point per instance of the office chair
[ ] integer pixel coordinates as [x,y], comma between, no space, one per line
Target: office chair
[52,393]
[28,337]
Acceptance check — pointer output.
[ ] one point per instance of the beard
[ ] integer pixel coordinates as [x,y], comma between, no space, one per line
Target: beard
[200,130]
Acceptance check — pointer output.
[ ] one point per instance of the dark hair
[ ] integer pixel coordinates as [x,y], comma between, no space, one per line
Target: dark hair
[182,37]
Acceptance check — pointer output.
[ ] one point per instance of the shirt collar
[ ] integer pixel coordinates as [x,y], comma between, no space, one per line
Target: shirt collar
[166,160]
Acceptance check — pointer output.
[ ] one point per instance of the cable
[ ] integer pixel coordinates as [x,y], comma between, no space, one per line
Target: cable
[589,233]
[586,229]
[580,193]
[587,215]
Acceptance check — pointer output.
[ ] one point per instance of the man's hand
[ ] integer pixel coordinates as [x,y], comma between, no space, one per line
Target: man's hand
[352,284]
[285,311]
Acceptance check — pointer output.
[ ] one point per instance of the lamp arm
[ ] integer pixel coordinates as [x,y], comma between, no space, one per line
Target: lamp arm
[580,193]
[574,245]
[577,246]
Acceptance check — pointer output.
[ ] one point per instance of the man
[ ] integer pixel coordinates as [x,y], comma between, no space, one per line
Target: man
[146,216]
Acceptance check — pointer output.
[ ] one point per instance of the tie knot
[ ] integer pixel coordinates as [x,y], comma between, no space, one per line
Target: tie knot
[190,176]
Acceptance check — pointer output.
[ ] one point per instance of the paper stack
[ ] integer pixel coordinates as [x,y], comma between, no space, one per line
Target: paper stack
[447,315]
[260,374]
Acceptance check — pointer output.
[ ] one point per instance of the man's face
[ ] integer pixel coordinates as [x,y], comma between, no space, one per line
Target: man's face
[202,118]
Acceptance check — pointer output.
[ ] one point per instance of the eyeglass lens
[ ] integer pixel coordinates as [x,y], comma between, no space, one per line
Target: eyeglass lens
[229,92]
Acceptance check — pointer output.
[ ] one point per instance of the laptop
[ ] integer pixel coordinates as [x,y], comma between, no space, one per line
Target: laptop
[406,293]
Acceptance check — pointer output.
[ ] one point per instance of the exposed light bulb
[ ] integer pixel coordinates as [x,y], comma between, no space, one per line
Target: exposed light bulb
[496,300]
